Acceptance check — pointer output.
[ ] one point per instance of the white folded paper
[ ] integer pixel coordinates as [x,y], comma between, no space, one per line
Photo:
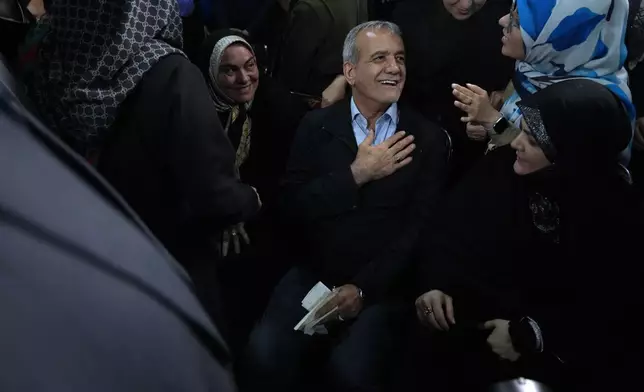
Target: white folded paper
[316,299]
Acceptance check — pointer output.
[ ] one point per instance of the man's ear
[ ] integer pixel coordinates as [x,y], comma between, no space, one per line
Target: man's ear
[349,73]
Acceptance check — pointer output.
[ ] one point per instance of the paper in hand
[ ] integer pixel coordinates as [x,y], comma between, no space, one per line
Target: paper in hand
[315,301]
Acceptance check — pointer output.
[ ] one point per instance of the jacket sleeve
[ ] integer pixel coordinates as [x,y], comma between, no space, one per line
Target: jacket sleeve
[306,33]
[307,194]
[377,278]
[202,158]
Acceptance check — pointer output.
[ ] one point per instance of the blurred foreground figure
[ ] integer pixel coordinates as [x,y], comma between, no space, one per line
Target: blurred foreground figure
[90,300]
[141,112]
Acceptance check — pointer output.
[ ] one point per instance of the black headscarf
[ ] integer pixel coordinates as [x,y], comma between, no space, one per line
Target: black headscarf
[545,228]
[581,126]
[96,53]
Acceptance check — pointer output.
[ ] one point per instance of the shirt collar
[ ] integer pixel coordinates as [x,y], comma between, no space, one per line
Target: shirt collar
[392,111]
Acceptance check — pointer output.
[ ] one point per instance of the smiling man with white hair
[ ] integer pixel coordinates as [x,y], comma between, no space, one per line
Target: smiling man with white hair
[363,177]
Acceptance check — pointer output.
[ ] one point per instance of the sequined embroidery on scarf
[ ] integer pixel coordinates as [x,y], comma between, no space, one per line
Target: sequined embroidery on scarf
[545,216]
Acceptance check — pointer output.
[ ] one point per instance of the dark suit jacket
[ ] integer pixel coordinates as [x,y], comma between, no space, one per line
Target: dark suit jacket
[90,300]
[361,235]
[312,48]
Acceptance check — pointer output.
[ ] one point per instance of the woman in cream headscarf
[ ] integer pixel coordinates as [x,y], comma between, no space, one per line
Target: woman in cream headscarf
[260,119]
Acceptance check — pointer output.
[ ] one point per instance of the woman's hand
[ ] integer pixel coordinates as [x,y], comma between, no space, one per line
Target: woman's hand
[496,99]
[335,92]
[476,132]
[475,101]
[500,340]
[436,309]
[232,234]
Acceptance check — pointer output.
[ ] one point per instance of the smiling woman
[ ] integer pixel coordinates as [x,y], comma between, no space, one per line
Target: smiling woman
[260,118]
[509,251]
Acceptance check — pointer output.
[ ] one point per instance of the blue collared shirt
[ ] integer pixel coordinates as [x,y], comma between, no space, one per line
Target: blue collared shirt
[385,126]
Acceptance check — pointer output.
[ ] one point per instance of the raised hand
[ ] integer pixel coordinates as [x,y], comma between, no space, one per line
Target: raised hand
[475,102]
[376,162]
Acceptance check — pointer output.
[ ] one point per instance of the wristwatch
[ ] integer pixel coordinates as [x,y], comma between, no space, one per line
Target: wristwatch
[500,125]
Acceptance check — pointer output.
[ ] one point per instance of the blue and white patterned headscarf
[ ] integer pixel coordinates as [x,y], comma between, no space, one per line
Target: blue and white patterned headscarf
[567,39]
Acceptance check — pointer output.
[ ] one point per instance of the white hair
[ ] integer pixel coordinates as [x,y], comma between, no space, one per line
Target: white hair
[350,49]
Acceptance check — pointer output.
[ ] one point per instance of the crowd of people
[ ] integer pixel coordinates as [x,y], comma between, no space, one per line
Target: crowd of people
[466,176]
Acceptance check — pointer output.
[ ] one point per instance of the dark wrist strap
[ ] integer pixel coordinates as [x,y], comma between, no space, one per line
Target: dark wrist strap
[501,125]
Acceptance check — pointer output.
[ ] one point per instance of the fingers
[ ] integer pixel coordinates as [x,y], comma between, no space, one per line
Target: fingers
[476,89]
[329,306]
[439,314]
[225,242]
[420,312]
[462,106]
[368,141]
[466,119]
[349,303]
[496,100]
[404,153]
[348,309]
[401,144]
[428,314]
[395,138]
[403,163]
[462,91]
[449,310]
[244,235]
[236,244]
[465,98]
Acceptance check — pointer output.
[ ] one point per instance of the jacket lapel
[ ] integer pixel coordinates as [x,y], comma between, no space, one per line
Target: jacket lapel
[338,123]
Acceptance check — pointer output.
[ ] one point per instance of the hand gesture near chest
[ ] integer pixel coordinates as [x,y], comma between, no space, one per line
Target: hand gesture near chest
[376,162]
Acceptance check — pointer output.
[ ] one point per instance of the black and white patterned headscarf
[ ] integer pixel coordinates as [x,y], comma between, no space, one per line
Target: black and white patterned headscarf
[94,56]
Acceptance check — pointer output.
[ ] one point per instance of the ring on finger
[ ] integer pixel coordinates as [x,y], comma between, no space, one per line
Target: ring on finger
[428,311]
[234,233]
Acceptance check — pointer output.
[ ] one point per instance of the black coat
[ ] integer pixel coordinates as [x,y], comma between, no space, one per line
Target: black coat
[360,235]
[311,53]
[90,300]
[275,115]
[441,51]
[483,249]
[170,158]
